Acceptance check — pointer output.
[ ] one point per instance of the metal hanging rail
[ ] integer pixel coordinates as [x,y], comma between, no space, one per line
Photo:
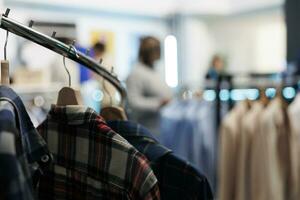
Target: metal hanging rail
[60,48]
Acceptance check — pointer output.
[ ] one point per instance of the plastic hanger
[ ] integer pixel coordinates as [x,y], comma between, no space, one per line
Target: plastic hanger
[67,95]
[5,65]
[112,113]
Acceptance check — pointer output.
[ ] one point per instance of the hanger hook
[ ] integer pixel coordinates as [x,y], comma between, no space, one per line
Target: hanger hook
[72,46]
[68,72]
[64,61]
[5,45]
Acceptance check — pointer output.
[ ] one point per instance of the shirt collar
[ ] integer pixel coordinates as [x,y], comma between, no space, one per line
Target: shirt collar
[72,114]
[131,129]
[147,142]
[35,146]
[7,94]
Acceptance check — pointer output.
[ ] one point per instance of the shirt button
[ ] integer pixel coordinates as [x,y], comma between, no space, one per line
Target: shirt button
[45,158]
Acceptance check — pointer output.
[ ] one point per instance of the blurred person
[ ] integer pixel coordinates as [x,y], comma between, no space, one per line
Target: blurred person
[216,68]
[99,50]
[91,89]
[97,92]
[147,92]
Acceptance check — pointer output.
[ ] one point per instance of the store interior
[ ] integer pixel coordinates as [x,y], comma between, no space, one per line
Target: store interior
[256,43]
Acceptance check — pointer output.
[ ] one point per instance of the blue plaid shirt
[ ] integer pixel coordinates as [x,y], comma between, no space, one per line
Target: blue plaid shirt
[177,178]
[23,152]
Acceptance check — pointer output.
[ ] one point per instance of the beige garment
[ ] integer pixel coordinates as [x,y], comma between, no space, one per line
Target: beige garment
[294,113]
[248,131]
[229,142]
[271,171]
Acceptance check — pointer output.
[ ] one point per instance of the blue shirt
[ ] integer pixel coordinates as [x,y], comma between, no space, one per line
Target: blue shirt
[23,152]
[188,128]
[177,178]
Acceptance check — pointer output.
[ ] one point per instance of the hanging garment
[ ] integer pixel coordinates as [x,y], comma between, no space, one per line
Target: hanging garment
[248,132]
[13,185]
[294,113]
[272,171]
[177,179]
[188,128]
[91,161]
[23,153]
[228,151]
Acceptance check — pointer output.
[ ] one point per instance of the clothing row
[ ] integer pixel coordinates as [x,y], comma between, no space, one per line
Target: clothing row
[188,127]
[76,154]
[259,151]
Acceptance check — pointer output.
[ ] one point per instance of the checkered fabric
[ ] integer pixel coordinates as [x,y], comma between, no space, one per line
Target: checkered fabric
[176,177]
[23,152]
[91,161]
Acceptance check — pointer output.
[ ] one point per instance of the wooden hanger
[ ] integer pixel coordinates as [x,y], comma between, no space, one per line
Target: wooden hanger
[67,95]
[112,113]
[263,97]
[5,66]
[4,72]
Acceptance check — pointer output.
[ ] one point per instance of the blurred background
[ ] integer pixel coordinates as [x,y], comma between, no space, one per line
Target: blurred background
[251,35]
[251,42]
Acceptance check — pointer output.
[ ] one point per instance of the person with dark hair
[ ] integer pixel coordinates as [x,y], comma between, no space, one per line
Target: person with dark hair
[99,50]
[90,88]
[216,68]
[147,92]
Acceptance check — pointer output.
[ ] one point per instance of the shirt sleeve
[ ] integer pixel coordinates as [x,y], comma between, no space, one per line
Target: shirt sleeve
[136,97]
[144,182]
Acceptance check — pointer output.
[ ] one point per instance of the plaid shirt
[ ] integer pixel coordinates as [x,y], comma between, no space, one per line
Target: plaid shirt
[91,161]
[23,152]
[177,178]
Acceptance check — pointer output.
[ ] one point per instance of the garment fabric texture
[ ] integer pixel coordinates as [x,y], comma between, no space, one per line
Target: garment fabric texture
[249,130]
[229,143]
[188,128]
[177,178]
[146,90]
[91,161]
[13,185]
[23,152]
[294,113]
[274,168]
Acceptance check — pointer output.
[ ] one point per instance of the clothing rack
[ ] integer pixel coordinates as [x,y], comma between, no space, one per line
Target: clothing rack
[257,81]
[60,48]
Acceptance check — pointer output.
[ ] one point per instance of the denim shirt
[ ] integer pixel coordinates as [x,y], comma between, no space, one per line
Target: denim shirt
[188,128]
[31,150]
